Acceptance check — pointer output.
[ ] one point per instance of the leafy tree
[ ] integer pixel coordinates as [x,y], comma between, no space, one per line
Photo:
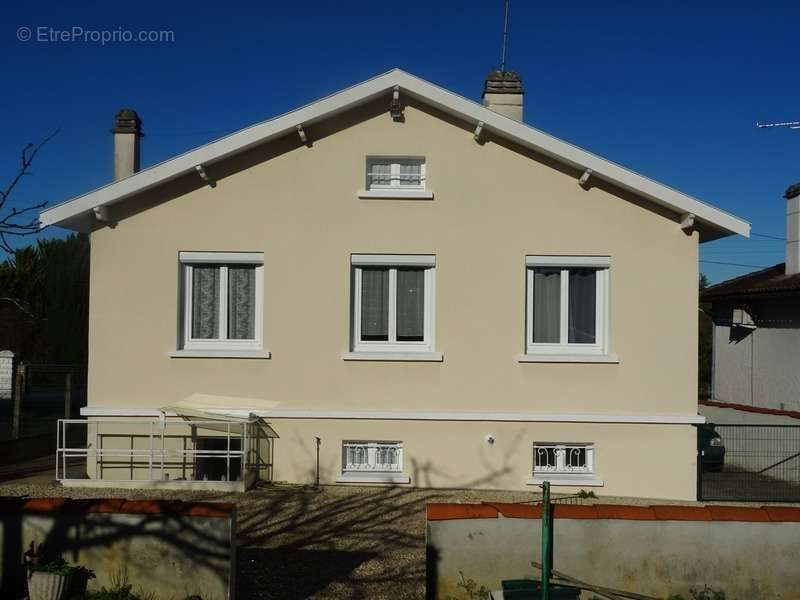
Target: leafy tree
[705,339]
[44,300]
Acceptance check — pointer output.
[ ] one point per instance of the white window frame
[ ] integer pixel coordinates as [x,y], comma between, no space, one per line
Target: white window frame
[394,183]
[561,467]
[393,262]
[223,260]
[372,447]
[564,347]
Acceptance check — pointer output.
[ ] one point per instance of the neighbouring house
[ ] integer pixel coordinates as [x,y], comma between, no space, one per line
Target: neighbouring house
[756,341]
[391,285]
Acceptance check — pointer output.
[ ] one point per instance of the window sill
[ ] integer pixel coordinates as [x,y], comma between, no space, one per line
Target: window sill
[373,478]
[395,356]
[568,358]
[564,480]
[395,195]
[221,353]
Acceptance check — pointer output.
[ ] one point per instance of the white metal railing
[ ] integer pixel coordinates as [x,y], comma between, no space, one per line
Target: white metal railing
[157,458]
[563,458]
[373,456]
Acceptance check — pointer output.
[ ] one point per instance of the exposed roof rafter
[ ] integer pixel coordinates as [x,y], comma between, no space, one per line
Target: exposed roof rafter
[711,221]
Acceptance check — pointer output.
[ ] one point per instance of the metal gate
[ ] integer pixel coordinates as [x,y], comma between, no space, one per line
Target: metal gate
[748,463]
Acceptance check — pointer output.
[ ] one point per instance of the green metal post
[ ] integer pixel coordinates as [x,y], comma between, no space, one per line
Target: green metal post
[547,541]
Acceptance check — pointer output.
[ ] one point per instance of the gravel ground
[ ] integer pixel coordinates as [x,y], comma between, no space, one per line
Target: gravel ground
[339,542]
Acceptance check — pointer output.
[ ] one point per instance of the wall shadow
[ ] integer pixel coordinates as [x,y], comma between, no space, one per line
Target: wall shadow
[129,542]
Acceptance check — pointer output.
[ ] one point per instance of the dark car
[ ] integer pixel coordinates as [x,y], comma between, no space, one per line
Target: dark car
[712,449]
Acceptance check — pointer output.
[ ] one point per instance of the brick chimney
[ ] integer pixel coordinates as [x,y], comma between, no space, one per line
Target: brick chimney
[502,92]
[127,137]
[793,229]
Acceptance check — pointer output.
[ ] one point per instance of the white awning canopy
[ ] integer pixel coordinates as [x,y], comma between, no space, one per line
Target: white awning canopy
[225,409]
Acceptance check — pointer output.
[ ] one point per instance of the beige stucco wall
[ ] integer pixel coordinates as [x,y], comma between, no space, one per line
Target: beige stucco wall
[493,205]
[650,461]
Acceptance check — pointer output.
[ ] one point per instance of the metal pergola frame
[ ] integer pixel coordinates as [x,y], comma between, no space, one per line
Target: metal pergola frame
[157,457]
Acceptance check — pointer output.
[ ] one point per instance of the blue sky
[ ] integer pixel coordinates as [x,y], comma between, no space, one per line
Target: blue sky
[672,90]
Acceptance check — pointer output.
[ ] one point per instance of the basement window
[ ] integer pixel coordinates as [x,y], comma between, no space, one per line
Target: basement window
[212,462]
[366,461]
[563,463]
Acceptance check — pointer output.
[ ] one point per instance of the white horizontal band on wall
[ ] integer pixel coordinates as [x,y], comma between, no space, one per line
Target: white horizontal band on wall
[519,417]
[222,257]
[400,260]
[567,261]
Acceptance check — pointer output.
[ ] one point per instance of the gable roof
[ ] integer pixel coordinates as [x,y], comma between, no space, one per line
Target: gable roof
[766,281]
[711,221]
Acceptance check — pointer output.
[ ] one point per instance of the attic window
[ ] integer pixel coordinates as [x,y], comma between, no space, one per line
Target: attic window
[395,177]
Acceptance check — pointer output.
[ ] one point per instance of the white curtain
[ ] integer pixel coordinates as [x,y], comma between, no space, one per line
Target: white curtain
[410,305]
[241,302]
[205,302]
[374,304]
[546,306]
[380,174]
[410,174]
[582,306]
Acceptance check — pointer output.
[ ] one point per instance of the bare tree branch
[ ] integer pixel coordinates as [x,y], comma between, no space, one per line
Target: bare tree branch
[10,223]
[21,306]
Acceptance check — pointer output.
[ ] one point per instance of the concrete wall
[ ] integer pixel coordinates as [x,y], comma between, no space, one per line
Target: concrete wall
[657,551]
[759,367]
[172,550]
[493,204]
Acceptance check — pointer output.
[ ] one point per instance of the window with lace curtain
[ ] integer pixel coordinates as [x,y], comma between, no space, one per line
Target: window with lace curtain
[395,173]
[222,300]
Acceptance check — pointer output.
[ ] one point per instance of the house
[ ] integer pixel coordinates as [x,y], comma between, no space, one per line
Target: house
[756,364]
[391,285]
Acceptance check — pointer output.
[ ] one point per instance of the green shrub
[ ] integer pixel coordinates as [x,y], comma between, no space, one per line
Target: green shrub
[120,590]
[472,589]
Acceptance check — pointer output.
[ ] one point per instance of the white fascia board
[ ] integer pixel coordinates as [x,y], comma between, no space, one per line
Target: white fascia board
[427,93]
[520,417]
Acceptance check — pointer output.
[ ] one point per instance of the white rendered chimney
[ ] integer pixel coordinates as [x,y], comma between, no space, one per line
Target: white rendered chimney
[793,229]
[127,136]
[502,92]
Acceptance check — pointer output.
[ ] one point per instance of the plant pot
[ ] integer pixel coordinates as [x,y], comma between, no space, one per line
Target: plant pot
[47,586]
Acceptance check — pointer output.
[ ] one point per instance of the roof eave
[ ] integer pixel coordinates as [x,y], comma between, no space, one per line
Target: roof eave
[712,222]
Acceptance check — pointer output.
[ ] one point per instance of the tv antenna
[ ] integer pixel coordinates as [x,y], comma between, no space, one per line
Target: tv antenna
[789,124]
[505,38]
